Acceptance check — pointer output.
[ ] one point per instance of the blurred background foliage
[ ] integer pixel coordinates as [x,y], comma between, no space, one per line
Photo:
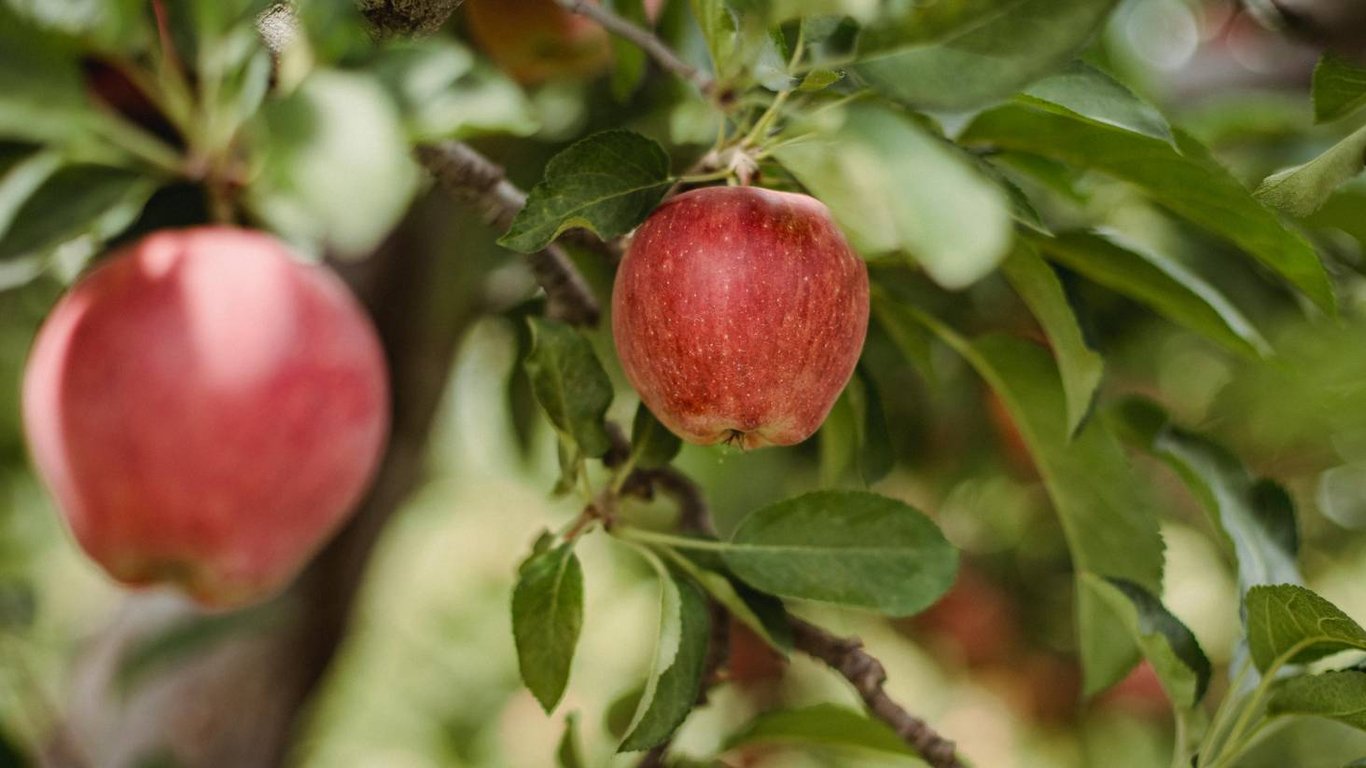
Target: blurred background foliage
[428,675]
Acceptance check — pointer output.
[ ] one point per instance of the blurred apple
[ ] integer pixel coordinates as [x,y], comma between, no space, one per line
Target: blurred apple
[1139,693]
[975,622]
[536,40]
[739,314]
[207,411]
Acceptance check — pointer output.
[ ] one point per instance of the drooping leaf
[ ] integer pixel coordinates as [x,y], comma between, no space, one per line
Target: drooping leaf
[1339,696]
[317,183]
[851,548]
[1161,283]
[1301,190]
[1080,365]
[547,615]
[854,438]
[676,670]
[1188,182]
[570,754]
[1292,625]
[1257,515]
[1108,519]
[762,613]
[570,384]
[42,95]
[1180,662]
[1003,49]
[894,188]
[1339,87]
[652,444]
[823,725]
[608,183]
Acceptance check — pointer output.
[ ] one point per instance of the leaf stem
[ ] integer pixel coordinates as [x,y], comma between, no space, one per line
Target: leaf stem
[681,542]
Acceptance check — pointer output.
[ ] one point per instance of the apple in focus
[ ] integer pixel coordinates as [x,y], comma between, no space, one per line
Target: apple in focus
[206,411]
[739,314]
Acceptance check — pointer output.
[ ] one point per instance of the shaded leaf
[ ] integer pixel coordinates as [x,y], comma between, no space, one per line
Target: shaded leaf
[547,615]
[1161,283]
[1189,182]
[569,754]
[1108,519]
[444,92]
[676,670]
[1257,515]
[607,183]
[570,384]
[1000,51]
[851,548]
[1339,87]
[69,202]
[1339,696]
[1168,644]
[1081,367]
[1292,625]
[762,613]
[652,444]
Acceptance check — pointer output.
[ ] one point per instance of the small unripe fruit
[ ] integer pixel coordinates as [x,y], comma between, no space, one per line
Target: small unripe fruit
[206,411]
[739,314]
[535,40]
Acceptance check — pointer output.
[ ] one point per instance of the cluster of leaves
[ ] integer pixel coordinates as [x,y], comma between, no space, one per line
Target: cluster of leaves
[949,140]
[100,108]
[851,119]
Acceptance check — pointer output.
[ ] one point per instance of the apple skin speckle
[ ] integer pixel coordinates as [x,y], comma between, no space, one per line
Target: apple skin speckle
[739,314]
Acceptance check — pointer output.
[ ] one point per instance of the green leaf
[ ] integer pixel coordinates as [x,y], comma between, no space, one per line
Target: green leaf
[652,444]
[1085,92]
[1163,284]
[444,92]
[1168,644]
[854,436]
[570,754]
[42,92]
[676,670]
[1107,516]
[1339,87]
[629,59]
[1301,190]
[547,615]
[72,201]
[819,79]
[1257,515]
[1190,183]
[21,176]
[823,725]
[850,548]
[570,384]
[760,612]
[896,189]
[1081,367]
[608,183]
[1339,696]
[1003,49]
[335,168]
[1288,624]
[185,639]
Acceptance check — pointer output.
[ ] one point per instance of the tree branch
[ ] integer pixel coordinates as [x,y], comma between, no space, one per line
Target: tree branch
[846,656]
[472,178]
[644,39]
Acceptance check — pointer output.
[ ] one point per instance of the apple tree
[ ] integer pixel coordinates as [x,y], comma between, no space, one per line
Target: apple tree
[1020,337]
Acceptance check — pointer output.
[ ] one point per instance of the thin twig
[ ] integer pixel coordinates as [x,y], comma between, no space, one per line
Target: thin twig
[472,178]
[846,656]
[644,39]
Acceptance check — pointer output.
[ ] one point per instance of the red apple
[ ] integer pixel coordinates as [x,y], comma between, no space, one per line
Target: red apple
[536,40]
[206,411]
[739,314]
